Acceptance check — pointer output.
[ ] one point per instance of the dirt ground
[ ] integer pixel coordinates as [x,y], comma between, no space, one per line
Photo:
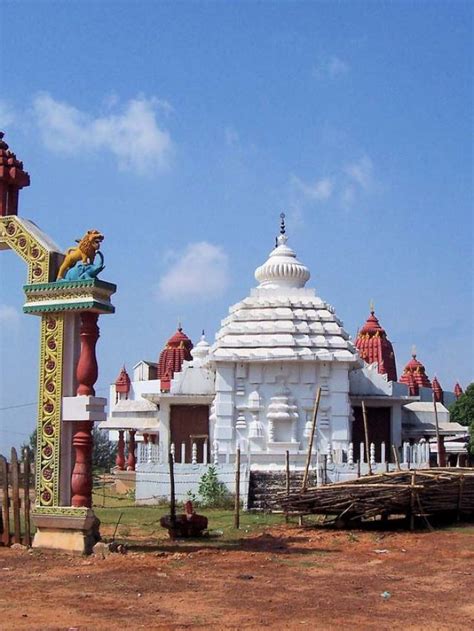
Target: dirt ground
[285,577]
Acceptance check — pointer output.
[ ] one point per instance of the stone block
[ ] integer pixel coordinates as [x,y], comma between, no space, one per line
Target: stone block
[84,408]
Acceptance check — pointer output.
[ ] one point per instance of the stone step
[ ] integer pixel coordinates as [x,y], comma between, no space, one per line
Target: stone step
[264,485]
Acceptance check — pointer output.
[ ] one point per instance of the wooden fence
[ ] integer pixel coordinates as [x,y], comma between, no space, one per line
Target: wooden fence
[16,487]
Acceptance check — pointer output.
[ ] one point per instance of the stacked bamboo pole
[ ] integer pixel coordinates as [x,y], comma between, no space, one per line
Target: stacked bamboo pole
[426,492]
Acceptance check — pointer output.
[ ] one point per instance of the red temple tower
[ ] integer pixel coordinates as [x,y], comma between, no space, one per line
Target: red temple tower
[374,346]
[437,390]
[12,179]
[414,376]
[122,384]
[177,349]
[458,390]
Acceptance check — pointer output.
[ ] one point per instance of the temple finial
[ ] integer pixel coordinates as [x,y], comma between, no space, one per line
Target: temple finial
[372,306]
[180,326]
[413,350]
[282,223]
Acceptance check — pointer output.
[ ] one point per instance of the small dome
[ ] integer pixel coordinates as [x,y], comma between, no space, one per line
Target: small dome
[282,269]
[414,375]
[201,350]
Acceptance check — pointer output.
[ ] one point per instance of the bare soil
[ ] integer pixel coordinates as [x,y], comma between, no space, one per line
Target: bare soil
[285,577]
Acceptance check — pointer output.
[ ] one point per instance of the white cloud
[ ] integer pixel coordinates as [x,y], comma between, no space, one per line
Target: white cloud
[7,115]
[201,272]
[132,135]
[9,316]
[345,187]
[330,68]
[319,190]
[361,172]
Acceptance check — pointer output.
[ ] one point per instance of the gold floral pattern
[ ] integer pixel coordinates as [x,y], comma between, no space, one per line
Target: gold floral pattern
[17,237]
[49,410]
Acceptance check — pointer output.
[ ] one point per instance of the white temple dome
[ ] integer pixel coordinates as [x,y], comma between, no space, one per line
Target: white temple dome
[282,269]
[201,350]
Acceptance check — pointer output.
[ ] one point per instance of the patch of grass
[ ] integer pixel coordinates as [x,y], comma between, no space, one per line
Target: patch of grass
[144,521]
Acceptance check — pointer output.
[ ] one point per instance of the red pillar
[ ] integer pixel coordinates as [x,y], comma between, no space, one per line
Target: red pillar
[120,459]
[87,369]
[131,462]
[87,372]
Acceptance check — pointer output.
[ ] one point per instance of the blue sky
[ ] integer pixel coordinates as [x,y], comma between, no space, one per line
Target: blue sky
[182,130]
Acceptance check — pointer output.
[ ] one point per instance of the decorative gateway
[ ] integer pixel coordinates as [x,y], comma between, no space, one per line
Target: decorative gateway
[69,310]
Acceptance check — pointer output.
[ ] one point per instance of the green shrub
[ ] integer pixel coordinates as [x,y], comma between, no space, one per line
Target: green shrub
[212,491]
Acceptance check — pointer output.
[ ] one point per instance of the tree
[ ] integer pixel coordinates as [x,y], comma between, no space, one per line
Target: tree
[103,452]
[462,411]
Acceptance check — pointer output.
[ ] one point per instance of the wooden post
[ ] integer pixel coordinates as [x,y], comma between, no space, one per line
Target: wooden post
[26,491]
[325,476]
[440,460]
[366,432]
[172,491]
[358,467]
[311,438]
[287,485]
[412,500]
[5,501]
[396,458]
[461,482]
[15,478]
[237,490]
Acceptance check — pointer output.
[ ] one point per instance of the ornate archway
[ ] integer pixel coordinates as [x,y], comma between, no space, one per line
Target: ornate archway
[67,405]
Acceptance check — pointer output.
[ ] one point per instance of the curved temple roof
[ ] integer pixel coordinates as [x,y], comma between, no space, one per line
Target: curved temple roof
[281,319]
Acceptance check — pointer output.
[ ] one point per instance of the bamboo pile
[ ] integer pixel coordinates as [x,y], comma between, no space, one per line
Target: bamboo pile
[412,493]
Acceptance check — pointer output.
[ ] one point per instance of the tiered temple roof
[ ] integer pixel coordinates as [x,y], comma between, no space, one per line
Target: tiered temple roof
[122,383]
[281,319]
[177,349]
[374,347]
[414,375]
[12,178]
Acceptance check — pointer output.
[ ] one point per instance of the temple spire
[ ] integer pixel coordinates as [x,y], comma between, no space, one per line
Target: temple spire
[414,375]
[12,179]
[282,223]
[374,346]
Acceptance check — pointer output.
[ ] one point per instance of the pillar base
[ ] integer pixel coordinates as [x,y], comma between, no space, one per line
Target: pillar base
[76,534]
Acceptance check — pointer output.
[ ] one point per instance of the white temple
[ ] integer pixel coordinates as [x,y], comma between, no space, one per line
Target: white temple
[272,352]
[255,387]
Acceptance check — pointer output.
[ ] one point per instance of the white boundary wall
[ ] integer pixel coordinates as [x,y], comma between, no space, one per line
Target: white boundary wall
[153,481]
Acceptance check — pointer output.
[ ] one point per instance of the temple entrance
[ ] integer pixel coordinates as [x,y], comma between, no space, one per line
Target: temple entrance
[379,426]
[190,424]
